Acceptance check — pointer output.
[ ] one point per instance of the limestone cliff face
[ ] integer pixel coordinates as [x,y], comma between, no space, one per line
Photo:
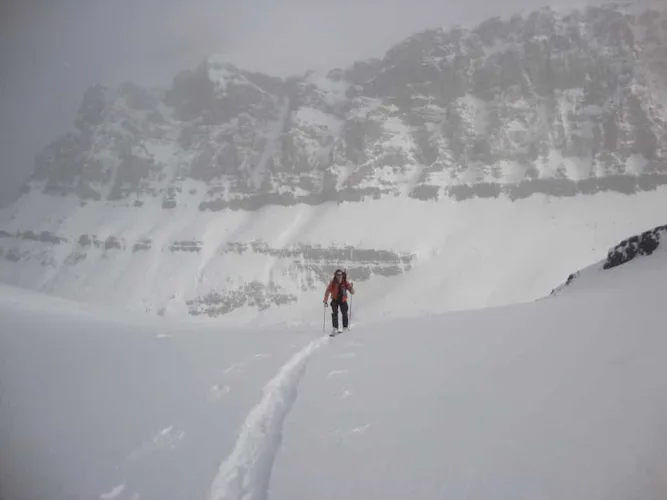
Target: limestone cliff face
[549,102]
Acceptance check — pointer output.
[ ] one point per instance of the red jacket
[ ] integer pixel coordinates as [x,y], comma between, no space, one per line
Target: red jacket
[333,290]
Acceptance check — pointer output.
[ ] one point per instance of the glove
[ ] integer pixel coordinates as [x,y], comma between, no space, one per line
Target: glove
[325,303]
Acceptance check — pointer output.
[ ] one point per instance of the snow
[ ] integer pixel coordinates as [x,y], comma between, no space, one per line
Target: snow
[222,71]
[331,91]
[315,136]
[637,164]
[220,75]
[114,493]
[113,398]
[512,172]
[434,62]
[559,398]
[370,107]
[474,112]
[163,152]
[312,117]
[499,46]
[476,253]
[515,395]
[271,148]
[245,473]
[575,168]
[399,134]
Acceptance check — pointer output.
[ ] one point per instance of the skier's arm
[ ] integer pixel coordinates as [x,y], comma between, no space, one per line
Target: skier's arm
[327,293]
[350,287]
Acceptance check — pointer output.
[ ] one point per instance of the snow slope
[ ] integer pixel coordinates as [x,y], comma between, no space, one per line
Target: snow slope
[560,398]
[407,257]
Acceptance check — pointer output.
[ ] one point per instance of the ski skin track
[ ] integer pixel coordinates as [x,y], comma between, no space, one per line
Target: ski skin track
[246,473]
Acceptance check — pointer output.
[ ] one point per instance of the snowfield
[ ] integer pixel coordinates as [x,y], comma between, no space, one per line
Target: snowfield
[562,398]
[465,255]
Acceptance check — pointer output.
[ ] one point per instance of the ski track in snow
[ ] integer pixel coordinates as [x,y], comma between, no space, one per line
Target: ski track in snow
[246,473]
[114,493]
[334,373]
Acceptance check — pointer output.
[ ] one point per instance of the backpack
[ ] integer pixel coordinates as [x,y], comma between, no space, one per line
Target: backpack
[342,286]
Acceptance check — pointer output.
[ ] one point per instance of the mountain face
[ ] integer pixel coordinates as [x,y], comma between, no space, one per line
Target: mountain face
[218,187]
[547,103]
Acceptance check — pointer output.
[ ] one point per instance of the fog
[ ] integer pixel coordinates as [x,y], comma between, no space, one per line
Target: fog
[50,52]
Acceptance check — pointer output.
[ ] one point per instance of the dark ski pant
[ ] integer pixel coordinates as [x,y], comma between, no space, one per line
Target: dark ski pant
[334,313]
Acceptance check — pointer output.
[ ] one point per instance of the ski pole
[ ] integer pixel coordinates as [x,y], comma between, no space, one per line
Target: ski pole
[324,318]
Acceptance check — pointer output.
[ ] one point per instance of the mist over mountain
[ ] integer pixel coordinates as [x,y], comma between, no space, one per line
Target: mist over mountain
[557,103]
[462,157]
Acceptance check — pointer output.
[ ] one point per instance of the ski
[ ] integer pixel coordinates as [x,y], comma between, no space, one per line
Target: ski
[338,332]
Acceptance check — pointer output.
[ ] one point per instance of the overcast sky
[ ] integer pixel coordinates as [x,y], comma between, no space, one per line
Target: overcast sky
[52,50]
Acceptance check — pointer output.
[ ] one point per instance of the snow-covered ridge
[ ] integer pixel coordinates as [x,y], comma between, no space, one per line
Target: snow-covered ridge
[559,103]
[639,245]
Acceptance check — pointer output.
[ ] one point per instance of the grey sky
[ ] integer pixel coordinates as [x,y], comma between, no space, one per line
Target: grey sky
[51,50]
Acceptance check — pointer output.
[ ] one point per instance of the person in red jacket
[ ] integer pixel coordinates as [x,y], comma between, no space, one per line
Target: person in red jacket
[337,289]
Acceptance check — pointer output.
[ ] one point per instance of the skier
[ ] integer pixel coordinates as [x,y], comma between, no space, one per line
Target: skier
[337,289]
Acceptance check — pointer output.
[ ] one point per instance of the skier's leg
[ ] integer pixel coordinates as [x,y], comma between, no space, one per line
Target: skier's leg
[334,314]
[343,310]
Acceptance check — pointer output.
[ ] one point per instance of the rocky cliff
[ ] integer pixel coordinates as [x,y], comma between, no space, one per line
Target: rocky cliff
[557,103]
